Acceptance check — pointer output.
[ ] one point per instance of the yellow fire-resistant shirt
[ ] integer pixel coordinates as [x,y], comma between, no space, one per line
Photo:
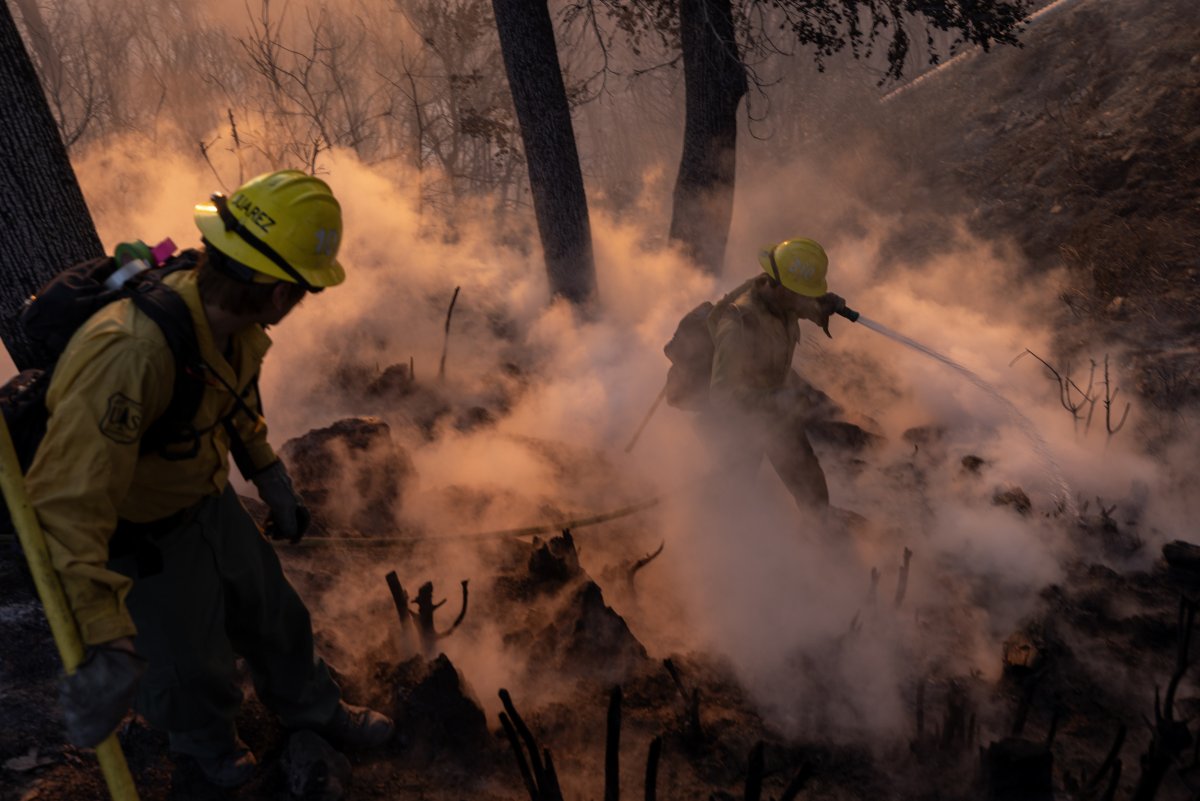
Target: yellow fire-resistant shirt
[114,379]
[752,349]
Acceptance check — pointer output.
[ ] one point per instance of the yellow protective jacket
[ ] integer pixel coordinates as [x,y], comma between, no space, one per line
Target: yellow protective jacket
[753,346]
[114,379]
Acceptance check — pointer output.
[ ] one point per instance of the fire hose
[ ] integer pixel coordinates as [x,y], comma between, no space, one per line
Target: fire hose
[54,601]
[527,531]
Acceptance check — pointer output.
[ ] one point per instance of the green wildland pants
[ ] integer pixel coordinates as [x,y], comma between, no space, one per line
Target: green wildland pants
[220,593]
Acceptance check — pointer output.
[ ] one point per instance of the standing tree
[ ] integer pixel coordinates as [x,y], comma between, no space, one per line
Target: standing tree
[719,41]
[45,223]
[713,57]
[715,82]
[555,178]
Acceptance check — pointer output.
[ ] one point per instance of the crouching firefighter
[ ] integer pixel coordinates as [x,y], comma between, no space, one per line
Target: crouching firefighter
[732,362]
[168,577]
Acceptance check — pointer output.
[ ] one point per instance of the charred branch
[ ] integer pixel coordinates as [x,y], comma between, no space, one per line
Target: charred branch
[552,791]
[426,610]
[1110,397]
[1050,735]
[902,582]
[612,748]
[1111,763]
[640,563]
[1169,737]
[921,710]
[652,768]
[519,754]
[400,599]
[1024,704]
[1110,792]
[754,773]
[1067,388]
[446,336]
[693,731]
[462,613]
[797,783]
[955,730]
[537,771]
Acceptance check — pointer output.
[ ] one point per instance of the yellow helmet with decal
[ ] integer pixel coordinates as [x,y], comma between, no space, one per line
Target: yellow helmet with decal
[798,264]
[283,225]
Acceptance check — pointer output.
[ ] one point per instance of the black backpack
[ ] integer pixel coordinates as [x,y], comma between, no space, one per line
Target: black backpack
[691,353]
[65,303]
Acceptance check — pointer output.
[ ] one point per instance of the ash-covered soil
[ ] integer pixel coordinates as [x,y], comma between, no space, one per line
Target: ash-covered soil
[1084,148]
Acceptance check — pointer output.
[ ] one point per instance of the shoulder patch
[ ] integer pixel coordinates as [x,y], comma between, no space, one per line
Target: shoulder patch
[122,421]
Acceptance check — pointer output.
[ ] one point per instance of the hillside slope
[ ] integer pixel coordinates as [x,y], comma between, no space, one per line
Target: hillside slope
[1083,147]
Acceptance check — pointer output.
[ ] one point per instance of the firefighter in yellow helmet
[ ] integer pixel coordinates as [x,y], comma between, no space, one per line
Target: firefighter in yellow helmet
[753,390]
[167,575]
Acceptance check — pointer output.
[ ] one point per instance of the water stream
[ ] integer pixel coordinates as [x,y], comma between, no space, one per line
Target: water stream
[1063,496]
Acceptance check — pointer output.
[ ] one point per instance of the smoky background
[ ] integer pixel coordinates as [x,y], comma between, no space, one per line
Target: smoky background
[403,110]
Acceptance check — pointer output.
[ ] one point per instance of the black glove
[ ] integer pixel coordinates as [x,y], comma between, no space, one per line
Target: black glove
[828,305]
[289,516]
[98,694]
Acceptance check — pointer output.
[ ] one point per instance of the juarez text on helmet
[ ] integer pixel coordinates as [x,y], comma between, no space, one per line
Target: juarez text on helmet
[283,225]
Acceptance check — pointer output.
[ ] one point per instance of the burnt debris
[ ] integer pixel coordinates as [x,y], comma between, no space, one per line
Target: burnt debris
[351,475]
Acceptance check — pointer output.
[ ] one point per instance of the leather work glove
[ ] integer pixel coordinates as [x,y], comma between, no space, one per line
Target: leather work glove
[289,516]
[98,694]
[828,305]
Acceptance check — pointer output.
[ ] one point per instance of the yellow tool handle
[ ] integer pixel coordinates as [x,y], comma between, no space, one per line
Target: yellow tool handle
[54,601]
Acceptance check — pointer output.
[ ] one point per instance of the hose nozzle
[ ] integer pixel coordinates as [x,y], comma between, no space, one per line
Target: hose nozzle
[849,314]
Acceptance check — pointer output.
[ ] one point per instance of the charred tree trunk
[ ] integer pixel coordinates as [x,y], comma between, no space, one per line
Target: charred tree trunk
[45,225]
[716,82]
[555,178]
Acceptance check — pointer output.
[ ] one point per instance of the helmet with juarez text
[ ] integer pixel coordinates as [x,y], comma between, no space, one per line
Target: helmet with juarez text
[799,264]
[283,225]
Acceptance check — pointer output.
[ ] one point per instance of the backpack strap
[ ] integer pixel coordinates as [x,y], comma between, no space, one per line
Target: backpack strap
[237,447]
[171,314]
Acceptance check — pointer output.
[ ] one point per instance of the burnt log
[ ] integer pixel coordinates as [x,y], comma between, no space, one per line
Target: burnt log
[351,475]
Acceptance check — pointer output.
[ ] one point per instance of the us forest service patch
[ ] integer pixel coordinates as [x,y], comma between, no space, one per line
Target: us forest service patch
[122,421]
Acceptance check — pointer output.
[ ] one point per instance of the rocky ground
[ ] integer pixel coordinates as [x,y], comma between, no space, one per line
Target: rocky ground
[1084,146]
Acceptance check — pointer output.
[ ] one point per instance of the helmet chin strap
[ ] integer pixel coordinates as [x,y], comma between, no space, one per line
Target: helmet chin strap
[234,226]
[774,266]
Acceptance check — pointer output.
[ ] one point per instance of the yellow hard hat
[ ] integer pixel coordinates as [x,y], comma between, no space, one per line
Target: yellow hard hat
[283,225]
[798,264]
